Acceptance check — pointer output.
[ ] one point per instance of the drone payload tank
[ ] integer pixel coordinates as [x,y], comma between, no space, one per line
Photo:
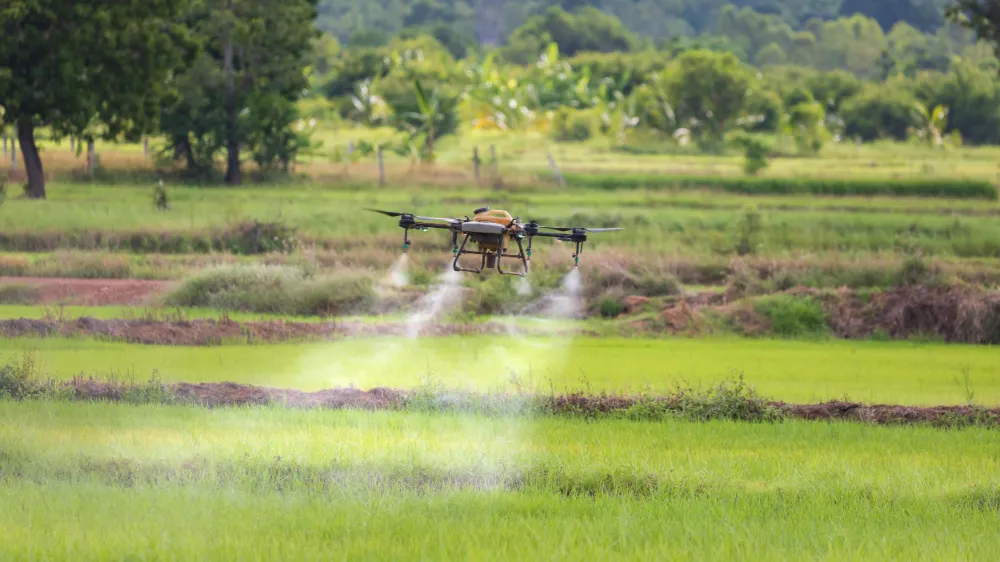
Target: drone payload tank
[494,232]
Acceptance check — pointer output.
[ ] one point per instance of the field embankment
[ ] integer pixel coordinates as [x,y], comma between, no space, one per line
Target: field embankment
[952,313]
[729,400]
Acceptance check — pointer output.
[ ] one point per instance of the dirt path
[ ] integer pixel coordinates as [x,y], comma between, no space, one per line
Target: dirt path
[92,292]
[217,332]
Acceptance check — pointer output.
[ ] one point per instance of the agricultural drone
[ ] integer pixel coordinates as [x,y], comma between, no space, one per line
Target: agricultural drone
[494,232]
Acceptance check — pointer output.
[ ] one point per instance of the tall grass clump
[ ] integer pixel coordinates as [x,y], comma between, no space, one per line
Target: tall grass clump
[18,293]
[20,380]
[793,316]
[276,289]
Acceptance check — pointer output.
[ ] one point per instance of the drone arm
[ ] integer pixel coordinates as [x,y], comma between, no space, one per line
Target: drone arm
[425,225]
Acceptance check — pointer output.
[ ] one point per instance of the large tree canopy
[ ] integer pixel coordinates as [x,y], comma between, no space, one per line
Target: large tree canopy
[981,16]
[241,91]
[67,63]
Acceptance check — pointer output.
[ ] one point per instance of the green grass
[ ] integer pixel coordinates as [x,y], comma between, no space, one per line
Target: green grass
[185,483]
[915,187]
[91,217]
[893,372]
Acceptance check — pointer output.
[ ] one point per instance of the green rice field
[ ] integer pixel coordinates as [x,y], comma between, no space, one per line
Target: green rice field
[794,371]
[104,478]
[112,482]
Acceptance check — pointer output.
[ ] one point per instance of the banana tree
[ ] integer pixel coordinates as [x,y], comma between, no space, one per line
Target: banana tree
[616,111]
[369,106]
[433,112]
[932,123]
[496,100]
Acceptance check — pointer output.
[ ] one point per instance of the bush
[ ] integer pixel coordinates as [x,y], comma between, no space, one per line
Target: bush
[915,271]
[570,125]
[611,304]
[18,293]
[879,112]
[755,153]
[748,231]
[793,316]
[277,290]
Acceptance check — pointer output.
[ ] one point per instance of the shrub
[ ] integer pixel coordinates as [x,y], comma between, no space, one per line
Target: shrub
[915,271]
[793,316]
[276,289]
[879,112]
[728,400]
[612,303]
[338,296]
[18,293]
[571,125]
[755,153]
[254,237]
[748,231]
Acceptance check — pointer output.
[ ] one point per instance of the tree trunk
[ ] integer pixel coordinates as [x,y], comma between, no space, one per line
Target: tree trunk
[32,161]
[232,115]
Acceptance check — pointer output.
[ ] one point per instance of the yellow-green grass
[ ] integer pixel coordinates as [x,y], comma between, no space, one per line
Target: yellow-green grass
[793,371]
[527,152]
[103,482]
[338,216]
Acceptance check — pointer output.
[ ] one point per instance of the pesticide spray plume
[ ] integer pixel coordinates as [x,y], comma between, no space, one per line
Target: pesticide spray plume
[566,302]
[443,295]
[398,276]
[486,449]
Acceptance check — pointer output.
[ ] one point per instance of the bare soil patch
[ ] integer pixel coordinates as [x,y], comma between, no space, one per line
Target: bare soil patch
[217,332]
[92,292]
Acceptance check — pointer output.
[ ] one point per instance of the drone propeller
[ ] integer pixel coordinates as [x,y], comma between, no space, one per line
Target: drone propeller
[387,213]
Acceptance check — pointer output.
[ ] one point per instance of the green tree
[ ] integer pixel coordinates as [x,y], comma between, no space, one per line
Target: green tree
[66,63]
[981,16]
[241,93]
[587,29]
[708,92]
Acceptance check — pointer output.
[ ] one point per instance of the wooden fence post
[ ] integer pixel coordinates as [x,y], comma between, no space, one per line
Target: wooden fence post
[90,157]
[495,165]
[475,162]
[381,168]
[145,147]
[72,144]
[13,154]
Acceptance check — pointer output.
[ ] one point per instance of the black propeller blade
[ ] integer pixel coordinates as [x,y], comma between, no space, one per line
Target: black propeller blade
[388,213]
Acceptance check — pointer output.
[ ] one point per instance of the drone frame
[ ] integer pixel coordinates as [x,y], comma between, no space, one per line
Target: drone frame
[492,238]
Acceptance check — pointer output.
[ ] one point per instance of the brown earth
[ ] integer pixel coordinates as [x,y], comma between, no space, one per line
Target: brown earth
[228,394]
[92,292]
[217,332]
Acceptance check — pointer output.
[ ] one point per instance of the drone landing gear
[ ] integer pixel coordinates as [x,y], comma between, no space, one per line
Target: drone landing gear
[492,256]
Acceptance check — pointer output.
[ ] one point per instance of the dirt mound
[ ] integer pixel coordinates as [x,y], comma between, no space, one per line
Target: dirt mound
[92,292]
[217,332]
[232,394]
[956,313]
[888,414]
